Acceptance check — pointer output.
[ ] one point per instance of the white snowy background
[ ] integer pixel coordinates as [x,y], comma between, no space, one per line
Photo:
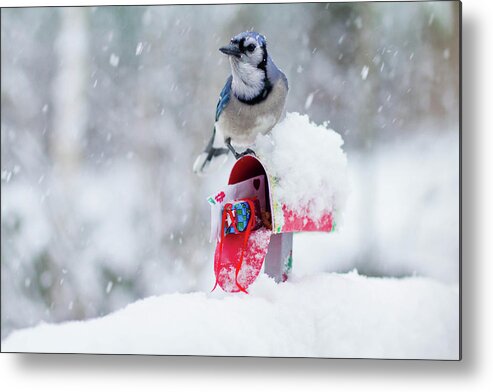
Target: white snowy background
[103,113]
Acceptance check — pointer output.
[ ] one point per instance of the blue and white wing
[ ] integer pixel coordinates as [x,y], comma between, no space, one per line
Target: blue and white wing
[224,97]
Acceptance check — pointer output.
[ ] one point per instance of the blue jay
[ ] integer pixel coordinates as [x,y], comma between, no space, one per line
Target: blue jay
[251,102]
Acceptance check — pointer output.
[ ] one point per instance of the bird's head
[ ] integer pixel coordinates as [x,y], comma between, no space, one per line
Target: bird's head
[247,48]
[248,57]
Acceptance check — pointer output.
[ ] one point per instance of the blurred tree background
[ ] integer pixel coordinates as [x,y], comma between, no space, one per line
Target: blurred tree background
[105,108]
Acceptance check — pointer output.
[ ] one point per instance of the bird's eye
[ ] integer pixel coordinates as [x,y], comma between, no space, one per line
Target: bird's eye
[251,47]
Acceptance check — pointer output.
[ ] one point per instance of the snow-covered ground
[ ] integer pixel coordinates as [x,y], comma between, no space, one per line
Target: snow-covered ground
[324,315]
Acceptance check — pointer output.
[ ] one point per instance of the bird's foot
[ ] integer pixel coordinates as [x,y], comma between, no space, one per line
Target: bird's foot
[248,151]
[236,154]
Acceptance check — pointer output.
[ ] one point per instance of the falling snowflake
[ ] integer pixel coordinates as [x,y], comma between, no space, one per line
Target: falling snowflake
[114,60]
[139,48]
[364,72]
[309,101]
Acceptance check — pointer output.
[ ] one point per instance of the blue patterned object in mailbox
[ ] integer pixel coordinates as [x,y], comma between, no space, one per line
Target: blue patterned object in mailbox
[241,214]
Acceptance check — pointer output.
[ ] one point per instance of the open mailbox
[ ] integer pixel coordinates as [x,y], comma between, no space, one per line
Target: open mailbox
[253,228]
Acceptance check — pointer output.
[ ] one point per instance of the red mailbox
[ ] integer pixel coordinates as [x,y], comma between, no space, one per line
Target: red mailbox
[253,227]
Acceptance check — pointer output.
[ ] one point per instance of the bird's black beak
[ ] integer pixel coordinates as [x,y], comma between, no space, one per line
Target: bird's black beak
[231,50]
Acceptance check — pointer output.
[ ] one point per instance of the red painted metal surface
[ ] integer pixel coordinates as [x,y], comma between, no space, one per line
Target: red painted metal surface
[245,168]
[293,222]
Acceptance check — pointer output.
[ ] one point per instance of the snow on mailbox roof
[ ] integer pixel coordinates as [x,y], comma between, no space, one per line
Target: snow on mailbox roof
[308,164]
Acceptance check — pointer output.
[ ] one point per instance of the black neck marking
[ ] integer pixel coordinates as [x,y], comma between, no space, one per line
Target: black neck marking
[259,97]
[263,63]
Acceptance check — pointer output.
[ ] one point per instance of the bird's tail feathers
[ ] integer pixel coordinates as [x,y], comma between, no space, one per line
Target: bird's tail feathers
[207,162]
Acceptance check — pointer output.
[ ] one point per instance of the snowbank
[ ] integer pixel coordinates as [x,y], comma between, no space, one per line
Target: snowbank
[328,315]
[308,163]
